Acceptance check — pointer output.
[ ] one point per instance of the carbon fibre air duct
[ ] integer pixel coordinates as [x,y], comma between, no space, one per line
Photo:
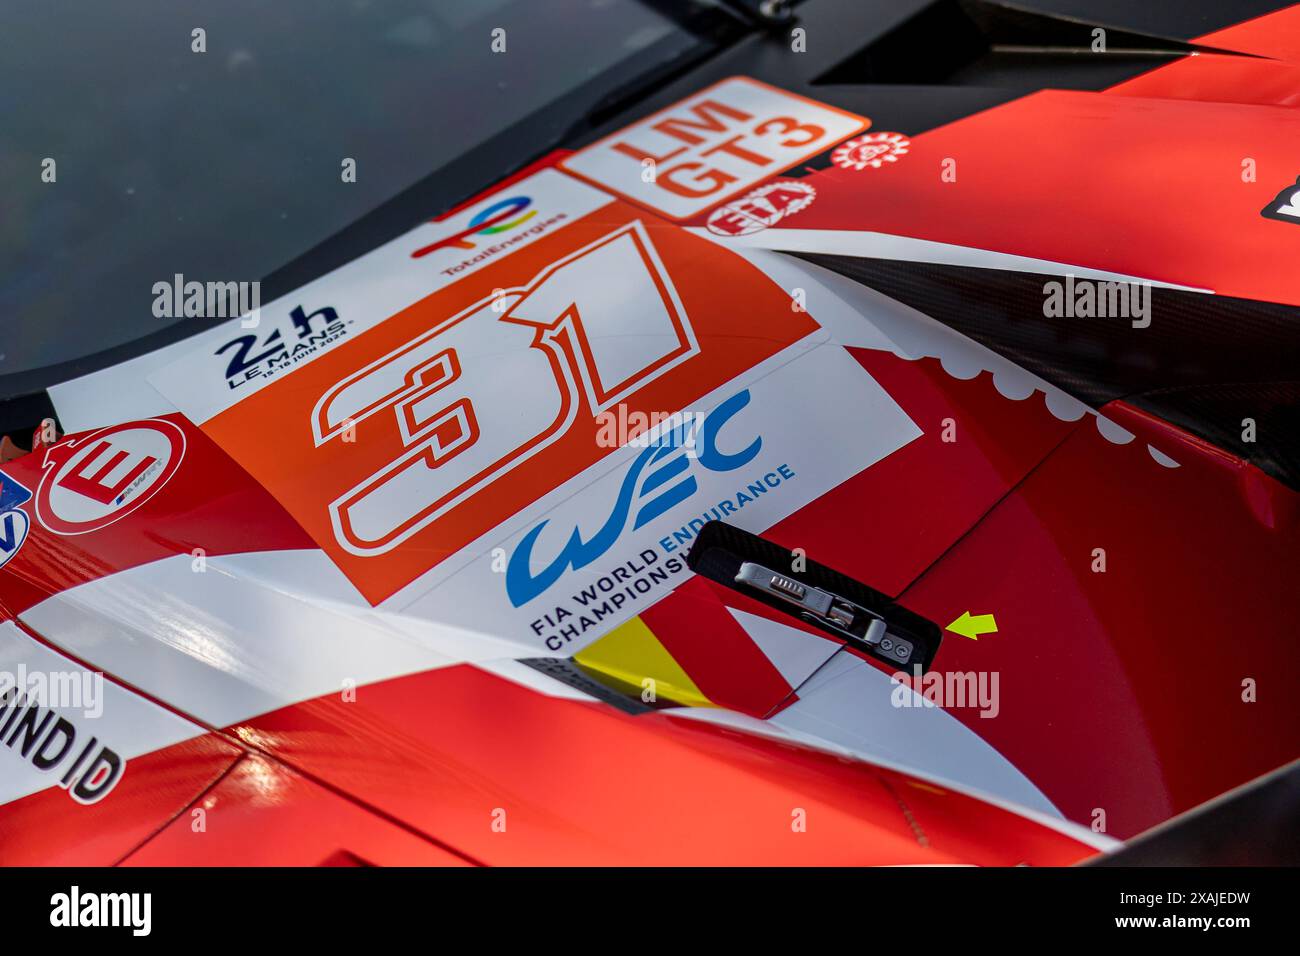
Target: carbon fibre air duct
[823,597]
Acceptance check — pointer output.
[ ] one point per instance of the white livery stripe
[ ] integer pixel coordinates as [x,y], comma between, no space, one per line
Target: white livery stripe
[363,293]
[882,245]
[228,644]
[114,717]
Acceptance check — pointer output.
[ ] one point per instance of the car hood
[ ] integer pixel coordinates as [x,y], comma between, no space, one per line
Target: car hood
[407,548]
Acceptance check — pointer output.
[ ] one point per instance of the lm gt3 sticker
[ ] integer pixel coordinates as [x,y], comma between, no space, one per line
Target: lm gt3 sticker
[711,146]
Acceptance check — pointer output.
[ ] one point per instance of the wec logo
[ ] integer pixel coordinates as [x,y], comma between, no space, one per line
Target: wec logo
[659,479]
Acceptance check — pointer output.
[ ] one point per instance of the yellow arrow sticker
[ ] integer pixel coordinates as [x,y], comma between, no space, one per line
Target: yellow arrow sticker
[973,625]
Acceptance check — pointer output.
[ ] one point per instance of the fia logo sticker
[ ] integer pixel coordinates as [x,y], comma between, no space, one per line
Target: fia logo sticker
[765,206]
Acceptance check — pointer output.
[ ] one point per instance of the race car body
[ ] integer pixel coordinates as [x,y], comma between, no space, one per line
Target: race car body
[749,481]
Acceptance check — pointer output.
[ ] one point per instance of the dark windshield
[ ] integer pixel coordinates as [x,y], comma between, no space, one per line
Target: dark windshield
[226,164]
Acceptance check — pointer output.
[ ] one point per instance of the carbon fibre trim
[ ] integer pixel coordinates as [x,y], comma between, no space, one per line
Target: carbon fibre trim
[720,550]
[1205,363]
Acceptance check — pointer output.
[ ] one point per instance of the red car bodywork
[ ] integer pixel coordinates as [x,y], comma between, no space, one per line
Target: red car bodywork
[1129,694]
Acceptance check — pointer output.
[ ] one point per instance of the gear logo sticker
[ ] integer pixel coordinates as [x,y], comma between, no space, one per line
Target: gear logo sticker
[872,150]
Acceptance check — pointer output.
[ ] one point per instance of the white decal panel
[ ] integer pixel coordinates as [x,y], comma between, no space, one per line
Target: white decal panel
[614,543]
[711,146]
[62,725]
[207,372]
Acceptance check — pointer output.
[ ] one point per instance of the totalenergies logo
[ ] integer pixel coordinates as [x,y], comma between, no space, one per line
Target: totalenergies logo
[498,217]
